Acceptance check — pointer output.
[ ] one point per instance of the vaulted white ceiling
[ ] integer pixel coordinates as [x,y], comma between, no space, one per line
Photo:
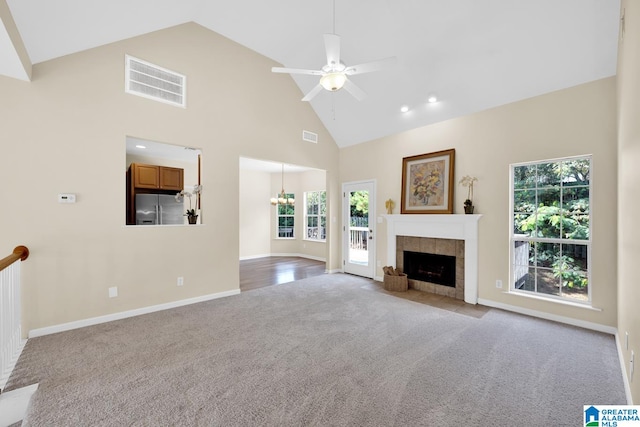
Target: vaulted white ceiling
[473,54]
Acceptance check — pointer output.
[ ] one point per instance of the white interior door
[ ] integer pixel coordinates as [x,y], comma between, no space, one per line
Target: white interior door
[358,206]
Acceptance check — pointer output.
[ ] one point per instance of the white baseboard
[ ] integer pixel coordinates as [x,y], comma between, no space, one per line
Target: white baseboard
[541,314]
[627,386]
[125,314]
[379,278]
[244,258]
[334,271]
[315,258]
[14,403]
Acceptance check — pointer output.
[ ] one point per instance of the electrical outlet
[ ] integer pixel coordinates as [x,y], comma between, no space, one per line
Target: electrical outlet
[180,281]
[499,284]
[113,292]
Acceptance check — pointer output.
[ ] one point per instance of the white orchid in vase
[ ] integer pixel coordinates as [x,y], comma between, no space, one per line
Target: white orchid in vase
[467,181]
[191,212]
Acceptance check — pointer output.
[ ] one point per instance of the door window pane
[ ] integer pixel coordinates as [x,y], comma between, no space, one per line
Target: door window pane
[359,227]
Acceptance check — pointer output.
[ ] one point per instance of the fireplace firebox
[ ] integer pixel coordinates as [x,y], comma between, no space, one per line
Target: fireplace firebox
[428,267]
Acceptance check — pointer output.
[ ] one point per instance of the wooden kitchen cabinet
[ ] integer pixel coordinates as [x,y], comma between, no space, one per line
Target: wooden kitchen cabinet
[171,178]
[156,177]
[145,176]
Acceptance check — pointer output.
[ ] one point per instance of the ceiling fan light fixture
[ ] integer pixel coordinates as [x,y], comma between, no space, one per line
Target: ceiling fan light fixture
[333,81]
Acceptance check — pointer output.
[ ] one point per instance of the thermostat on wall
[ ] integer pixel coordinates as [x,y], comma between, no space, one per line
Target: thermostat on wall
[66,198]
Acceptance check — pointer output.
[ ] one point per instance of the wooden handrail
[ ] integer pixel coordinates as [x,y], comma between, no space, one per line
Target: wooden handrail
[19,253]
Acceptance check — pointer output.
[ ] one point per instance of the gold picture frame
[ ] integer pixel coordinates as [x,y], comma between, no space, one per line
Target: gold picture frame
[427,183]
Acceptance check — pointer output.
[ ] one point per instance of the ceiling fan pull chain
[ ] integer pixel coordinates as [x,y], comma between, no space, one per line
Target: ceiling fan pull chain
[334,16]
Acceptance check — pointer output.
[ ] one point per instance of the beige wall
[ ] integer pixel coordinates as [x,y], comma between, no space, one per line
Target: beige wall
[255,214]
[628,180]
[65,132]
[575,121]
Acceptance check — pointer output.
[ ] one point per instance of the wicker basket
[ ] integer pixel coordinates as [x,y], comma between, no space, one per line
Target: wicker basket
[396,283]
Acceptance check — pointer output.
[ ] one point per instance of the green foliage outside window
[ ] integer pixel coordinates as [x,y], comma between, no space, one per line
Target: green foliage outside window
[286,215]
[551,204]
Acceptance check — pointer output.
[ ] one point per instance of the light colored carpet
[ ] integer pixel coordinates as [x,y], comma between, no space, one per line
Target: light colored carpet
[324,351]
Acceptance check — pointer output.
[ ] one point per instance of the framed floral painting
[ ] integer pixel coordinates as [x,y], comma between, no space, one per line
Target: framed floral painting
[427,183]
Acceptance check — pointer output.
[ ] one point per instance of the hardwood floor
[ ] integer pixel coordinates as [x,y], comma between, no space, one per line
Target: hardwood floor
[268,271]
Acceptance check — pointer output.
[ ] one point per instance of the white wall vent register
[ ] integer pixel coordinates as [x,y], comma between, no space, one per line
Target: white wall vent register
[309,136]
[154,82]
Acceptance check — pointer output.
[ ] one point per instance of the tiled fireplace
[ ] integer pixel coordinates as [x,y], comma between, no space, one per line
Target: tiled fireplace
[449,235]
[433,265]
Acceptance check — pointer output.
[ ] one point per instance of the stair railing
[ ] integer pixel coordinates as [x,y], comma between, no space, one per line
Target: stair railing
[11,342]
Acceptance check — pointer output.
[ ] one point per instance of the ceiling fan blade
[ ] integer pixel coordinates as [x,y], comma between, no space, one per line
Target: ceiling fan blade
[368,67]
[313,92]
[332,46]
[296,71]
[354,90]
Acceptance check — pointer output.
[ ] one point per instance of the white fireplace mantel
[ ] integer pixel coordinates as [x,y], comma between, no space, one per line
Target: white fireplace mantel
[460,227]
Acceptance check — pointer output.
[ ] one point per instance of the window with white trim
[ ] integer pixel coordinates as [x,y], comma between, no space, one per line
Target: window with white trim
[315,215]
[551,228]
[285,216]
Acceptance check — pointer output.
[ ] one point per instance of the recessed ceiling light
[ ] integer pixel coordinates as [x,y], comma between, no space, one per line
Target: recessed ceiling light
[404,108]
[432,99]
[140,146]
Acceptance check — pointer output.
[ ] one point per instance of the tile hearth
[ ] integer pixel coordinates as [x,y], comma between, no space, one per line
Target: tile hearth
[433,300]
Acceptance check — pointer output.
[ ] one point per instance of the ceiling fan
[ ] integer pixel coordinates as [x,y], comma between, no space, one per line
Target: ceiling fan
[334,75]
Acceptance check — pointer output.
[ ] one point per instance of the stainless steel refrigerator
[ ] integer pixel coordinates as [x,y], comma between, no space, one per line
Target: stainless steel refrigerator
[152,209]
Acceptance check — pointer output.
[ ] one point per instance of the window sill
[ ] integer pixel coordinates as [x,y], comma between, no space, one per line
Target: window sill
[315,240]
[285,238]
[587,306]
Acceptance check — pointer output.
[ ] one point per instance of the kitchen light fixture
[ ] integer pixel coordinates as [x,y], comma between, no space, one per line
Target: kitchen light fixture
[282,199]
[404,108]
[432,99]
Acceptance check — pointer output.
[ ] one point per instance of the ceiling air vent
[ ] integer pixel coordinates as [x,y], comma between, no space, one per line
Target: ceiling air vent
[153,82]
[309,136]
